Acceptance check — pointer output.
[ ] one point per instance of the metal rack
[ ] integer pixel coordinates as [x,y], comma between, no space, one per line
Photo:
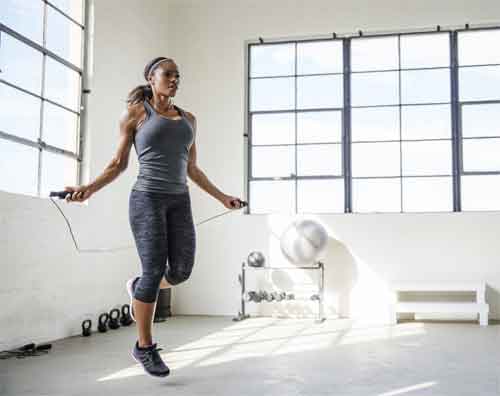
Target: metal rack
[318,267]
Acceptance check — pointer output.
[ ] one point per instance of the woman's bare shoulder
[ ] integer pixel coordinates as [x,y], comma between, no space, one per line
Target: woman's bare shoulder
[133,114]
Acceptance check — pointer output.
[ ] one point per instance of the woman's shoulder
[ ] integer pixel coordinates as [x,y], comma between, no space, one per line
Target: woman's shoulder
[134,114]
[190,116]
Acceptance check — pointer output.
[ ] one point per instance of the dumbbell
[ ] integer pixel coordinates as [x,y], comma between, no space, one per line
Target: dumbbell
[275,296]
[249,296]
[279,296]
[290,296]
[257,297]
[315,297]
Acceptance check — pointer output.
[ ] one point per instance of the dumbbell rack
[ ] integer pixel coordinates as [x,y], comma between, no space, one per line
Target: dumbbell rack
[318,267]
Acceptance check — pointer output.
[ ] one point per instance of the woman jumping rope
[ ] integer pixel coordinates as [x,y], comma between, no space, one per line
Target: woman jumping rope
[159,204]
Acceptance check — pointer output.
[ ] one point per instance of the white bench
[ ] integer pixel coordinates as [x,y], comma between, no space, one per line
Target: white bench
[478,306]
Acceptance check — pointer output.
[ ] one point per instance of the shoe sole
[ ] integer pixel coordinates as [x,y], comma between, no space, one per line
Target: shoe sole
[129,290]
[147,372]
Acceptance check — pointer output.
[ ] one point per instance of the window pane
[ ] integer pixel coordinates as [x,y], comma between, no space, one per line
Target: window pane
[379,53]
[64,37]
[16,13]
[319,57]
[376,195]
[319,127]
[375,159]
[272,94]
[427,194]
[478,48]
[22,178]
[60,127]
[427,158]
[480,192]
[62,84]
[58,171]
[273,161]
[320,196]
[73,8]
[425,86]
[19,113]
[479,83]
[20,64]
[322,160]
[375,124]
[272,196]
[426,122]
[272,60]
[273,128]
[319,92]
[481,155]
[425,50]
[480,120]
[375,89]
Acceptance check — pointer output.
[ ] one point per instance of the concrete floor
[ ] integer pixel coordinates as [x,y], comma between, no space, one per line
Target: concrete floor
[269,356]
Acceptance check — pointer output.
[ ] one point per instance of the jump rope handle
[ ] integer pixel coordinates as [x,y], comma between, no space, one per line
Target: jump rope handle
[59,194]
[242,203]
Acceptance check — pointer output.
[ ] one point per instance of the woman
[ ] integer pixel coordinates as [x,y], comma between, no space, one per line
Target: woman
[159,205]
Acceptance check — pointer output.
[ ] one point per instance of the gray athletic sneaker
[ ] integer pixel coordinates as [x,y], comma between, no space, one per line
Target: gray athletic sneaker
[150,360]
[130,289]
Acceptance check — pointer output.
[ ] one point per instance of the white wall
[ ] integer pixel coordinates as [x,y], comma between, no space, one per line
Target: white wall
[47,287]
[207,40]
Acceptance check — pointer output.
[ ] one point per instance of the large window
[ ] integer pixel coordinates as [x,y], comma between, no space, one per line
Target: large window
[42,49]
[387,123]
[296,112]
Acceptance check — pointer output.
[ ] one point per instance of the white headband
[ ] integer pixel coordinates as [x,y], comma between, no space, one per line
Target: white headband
[151,69]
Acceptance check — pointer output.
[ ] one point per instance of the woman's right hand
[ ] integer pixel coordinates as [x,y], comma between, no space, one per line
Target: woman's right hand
[78,193]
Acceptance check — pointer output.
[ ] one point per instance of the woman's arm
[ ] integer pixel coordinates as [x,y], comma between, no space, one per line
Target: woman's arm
[118,163]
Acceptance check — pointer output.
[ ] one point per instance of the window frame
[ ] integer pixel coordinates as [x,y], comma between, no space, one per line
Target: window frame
[457,169]
[40,144]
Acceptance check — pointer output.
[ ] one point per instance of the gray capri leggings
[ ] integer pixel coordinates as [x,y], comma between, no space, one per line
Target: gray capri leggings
[163,229]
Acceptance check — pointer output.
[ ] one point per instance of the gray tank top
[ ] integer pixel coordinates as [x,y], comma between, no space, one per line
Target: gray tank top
[162,146]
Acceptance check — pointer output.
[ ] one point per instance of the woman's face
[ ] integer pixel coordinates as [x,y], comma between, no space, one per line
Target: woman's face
[165,78]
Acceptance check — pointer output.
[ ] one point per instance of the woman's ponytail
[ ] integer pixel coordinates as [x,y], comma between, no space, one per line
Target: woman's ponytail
[139,94]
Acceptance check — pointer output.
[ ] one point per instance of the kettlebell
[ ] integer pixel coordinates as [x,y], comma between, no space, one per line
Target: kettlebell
[86,328]
[103,320]
[126,319]
[114,320]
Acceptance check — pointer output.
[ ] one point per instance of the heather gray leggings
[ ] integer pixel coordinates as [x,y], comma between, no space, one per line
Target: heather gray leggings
[163,229]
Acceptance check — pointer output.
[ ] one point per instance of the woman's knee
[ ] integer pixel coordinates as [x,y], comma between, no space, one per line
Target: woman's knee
[147,287]
[176,276]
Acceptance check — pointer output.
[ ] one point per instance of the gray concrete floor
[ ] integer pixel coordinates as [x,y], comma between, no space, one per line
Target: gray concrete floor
[270,356]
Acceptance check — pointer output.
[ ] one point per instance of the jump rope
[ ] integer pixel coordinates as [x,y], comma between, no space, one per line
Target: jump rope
[63,194]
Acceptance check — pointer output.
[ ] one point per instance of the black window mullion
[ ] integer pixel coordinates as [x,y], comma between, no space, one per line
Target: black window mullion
[455,124]
[249,132]
[400,115]
[346,127]
[296,150]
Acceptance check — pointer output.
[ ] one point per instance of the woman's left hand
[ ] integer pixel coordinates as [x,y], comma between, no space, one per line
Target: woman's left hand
[231,202]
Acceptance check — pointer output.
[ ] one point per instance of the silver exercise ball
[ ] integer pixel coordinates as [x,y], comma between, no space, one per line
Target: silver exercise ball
[256,259]
[303,241]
